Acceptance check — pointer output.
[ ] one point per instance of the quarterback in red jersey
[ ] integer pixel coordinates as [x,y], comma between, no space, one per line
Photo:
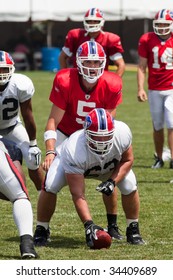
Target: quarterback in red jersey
[155,52]
[74,94]
[93,30]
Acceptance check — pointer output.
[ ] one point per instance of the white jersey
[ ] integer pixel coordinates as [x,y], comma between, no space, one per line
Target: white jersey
[74,156]
[78,159]
[19,89]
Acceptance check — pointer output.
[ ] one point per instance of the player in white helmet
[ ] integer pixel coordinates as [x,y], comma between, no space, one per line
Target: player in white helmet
[16,92]
[155,53]
[93,30]
[102,151]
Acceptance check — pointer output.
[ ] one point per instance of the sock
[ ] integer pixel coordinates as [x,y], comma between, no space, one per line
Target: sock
[43,224]
[112,219]
[23,216]
[129,221]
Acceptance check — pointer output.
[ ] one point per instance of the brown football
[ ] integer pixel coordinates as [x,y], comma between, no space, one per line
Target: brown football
[103,240]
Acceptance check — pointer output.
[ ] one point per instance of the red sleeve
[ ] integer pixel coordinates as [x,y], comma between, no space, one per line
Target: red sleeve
[59,92]
[142,45]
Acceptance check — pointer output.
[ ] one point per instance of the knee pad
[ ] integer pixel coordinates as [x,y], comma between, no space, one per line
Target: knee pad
[128,184]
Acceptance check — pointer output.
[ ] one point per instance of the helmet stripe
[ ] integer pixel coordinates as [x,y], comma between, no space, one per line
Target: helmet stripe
[92,11]
[92,47]
[102,125]
[162,13]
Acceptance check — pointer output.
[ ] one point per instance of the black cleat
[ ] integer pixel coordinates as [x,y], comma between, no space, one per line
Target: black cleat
[158,163]
[114,232]
[27,247]
[41,236]
[133,234]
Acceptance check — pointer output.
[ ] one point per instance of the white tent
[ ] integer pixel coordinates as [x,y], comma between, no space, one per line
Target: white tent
[61,10]
[74,10]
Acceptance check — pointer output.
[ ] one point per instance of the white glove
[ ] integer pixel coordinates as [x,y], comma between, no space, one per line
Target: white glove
[34,154]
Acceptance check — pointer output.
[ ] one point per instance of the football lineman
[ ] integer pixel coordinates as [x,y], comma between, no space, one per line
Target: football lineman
[102,151]
[155,53]
[75,92]
[93,30]
[12,187]
[16,91]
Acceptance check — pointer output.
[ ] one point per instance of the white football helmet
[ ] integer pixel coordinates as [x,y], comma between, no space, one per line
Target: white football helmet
[6,67]
[90,50]
[99,131]
[163,17]
[93,14]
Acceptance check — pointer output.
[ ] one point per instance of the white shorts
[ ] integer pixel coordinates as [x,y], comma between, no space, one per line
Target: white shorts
[161,108]
[11,184]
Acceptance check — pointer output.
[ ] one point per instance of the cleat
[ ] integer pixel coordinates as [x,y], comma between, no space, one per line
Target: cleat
[133,234]
[41,236]
[27,247]
[114,232]
[166,155]
[158,163]
[171,164]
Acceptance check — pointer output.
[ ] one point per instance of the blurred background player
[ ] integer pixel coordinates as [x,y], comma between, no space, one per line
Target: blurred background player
[93,30]
[16,91]
[75,92]
[13,188]
[155,53]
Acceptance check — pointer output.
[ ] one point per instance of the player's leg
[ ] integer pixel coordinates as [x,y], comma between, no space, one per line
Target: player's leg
[111,210]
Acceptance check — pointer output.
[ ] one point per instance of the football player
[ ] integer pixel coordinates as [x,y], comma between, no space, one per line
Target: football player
[93,30]
[155,53]
[13,188]
[102,151]
[16,91]
[75,92]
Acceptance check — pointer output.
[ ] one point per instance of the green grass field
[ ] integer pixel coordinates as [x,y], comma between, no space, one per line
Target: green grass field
[67,233]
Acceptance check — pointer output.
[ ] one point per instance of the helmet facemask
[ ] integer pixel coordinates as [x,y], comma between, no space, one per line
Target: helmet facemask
[162,30]
[99,131]
[100,146]
[6,67]
[6,76]
[93,27]
[91,75]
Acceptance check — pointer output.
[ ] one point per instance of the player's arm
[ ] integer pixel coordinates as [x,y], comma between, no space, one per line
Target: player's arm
[124,165]
[77,188]
[120,64]
[54,119]
[119,173]
[63,60]
[141,74]
[113,112]
[28,118]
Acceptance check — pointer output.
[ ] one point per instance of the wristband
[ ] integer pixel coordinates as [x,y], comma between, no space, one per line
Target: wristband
[88,223]
[33,143]
[112,181]
[50,134]
[50,152]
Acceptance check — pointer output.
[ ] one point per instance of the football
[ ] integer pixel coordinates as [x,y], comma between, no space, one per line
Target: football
[103,240]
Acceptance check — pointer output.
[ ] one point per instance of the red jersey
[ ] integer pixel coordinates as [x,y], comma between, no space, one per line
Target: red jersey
[68,94]
[159,54]
[110,42]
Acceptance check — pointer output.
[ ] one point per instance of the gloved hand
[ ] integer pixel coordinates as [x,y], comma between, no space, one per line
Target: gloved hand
[35,152]
[106,187]
[90,232]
